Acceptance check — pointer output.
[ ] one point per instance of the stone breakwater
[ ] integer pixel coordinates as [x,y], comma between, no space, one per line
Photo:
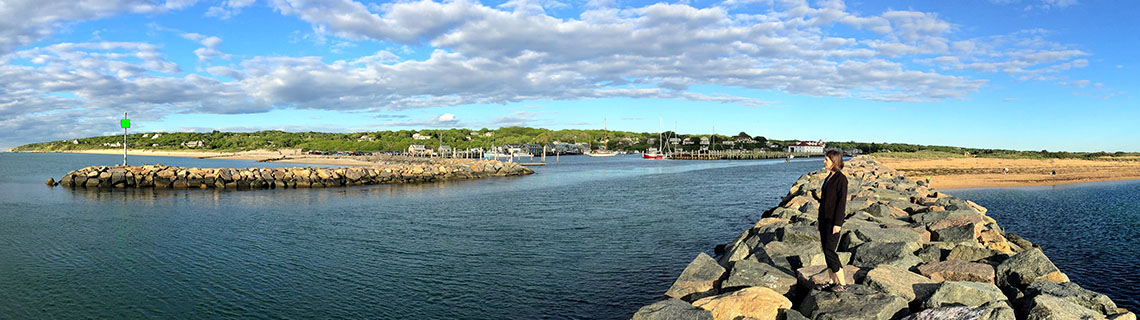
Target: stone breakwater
[160,176]
[911,252]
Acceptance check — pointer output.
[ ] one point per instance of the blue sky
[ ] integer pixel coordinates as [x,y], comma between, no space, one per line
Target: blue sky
[1017,74]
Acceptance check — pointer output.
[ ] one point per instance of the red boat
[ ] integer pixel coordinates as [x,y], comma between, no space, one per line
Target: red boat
[652,154]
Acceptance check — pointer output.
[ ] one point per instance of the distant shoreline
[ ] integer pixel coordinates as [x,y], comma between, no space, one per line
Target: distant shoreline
[287,156]
[961,173]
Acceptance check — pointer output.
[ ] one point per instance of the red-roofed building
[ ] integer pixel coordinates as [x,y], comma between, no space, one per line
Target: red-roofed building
[807,147]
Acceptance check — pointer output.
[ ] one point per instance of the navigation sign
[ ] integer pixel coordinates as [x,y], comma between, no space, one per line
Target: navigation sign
[125,123]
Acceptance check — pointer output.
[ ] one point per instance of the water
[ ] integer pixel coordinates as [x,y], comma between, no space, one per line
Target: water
[589,238]
[1091,231]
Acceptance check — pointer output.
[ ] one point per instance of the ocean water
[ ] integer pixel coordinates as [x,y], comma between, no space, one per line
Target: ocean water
[589,238]
[1091,231]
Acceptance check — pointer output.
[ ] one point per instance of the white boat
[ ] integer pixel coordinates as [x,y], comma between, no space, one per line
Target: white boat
[602,152]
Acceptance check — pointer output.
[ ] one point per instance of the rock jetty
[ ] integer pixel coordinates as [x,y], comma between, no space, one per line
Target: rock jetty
[160,176]
[911,252]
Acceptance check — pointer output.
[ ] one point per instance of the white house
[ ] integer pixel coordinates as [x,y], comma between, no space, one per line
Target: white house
[807,147]
[418,136]
[417,149]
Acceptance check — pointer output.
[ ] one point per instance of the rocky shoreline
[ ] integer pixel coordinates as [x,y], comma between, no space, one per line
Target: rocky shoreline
[910,251]
[159,176]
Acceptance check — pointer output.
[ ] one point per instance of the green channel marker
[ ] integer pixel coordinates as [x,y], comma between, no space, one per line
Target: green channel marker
[125,123]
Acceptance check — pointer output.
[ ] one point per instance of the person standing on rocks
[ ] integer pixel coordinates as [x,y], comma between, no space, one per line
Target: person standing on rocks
[832,212]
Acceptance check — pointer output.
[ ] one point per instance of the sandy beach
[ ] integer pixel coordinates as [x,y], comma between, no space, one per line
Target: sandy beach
[948,173]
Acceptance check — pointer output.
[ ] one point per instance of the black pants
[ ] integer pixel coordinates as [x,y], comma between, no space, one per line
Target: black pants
[830,242]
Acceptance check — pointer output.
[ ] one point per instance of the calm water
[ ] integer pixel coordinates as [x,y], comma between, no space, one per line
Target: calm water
[588,238]
[1090,230]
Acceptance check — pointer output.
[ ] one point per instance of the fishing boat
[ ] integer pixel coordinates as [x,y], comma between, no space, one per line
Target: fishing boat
[602,152]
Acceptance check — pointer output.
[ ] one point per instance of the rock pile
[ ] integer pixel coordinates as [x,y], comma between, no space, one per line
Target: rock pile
[160,176]
[911,252]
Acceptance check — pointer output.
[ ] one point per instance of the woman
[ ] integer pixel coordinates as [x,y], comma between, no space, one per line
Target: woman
[832,212]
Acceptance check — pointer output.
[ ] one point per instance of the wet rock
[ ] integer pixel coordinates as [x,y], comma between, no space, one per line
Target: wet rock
[958,270]
[51,182]
[671,309]
[858,302]
[900,282]
[752,302]
[750,273]
[965,293]
[1027,267]
[698,280]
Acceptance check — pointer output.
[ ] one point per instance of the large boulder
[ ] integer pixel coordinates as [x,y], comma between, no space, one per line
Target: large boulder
[971,253]
[888,235]
[899,254]
[798,234]
[885,211]
[1047,307]
[967,233]
[857,302]
[958,270]
[750,273]
[994,310]
[1027,267]
[1073,293]
[753,302]
[966,293]
[699,279]
[671,309]
[900,282]
[790,256]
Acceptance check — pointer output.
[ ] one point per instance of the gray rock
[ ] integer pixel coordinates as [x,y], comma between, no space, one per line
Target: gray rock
[790,314]
[791,256]
[798,234]
[888,235]
[994,310]
[858,302]
[899,254]
[957,234]
[1073,293]
[971,253]
[698,280]
[930,253]
[1019,241]
[750,273]
[671,309]
[900,282]
[966,293]
[1027,267]
[1047,307]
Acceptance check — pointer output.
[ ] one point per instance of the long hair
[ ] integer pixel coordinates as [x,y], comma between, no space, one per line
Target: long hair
[836,159]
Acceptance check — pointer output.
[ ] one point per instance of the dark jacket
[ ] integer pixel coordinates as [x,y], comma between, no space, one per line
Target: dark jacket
[833,200]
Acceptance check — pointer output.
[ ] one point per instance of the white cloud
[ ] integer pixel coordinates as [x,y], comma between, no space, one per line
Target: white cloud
[512,53]
[446,117]
[26,22]
[228,8]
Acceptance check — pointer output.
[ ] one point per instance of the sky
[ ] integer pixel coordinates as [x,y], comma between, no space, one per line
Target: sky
[1012,74]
